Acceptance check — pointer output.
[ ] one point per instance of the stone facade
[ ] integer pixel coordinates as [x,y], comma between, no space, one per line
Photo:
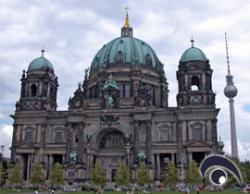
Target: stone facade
[119,112]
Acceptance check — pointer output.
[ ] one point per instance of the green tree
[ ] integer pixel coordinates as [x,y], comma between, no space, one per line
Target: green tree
[245,171]
[98,176]
[4,170]
[122,176]
[15,176]
[57,175]
[37,176]
[171,176]
[143,174]
[193,174]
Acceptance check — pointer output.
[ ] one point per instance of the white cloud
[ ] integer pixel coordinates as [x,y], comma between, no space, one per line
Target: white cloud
[5,138]
[243,149]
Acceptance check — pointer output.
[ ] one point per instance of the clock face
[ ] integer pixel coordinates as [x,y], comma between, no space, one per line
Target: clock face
[195,100]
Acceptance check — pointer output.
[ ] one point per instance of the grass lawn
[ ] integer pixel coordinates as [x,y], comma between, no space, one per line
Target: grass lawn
[170,192]
[7,191]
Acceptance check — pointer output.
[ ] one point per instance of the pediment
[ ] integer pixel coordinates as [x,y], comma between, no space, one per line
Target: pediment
[198,143]
[27,146]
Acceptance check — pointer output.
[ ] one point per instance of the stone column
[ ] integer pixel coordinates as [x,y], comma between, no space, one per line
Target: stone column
[50,163]
[148,141]
[127,148]
[135,151]
[68,140]
[80,142]
[172,157]
[14,142]
[88,163]
[190,158]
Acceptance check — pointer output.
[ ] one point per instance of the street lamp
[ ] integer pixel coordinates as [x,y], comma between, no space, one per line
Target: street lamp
[1,173]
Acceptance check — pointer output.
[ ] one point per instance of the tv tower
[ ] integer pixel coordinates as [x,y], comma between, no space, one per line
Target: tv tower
[230,91]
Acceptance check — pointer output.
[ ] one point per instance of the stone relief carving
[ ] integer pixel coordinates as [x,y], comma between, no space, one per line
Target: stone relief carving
[109,120]
[112,140]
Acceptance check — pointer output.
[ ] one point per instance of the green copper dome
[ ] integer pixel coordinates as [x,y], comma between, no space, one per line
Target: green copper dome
[126,51]
[193,54]
[40,63]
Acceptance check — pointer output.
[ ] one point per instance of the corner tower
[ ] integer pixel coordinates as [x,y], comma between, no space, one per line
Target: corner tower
[194,79]
[38,87]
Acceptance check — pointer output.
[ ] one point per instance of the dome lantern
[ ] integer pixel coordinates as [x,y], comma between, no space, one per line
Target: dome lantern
[127,30]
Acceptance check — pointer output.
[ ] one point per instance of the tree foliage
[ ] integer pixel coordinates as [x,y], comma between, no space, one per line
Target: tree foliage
[57,175]
[245,171]
[143,174]
[3,171]
[193,174]
[37,175]
[171,176]
[98,175]
[122,176]
[15,176]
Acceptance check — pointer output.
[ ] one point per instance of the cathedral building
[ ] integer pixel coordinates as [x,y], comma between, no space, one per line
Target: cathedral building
[120,112]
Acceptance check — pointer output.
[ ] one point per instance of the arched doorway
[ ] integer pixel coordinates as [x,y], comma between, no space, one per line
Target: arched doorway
[111,151]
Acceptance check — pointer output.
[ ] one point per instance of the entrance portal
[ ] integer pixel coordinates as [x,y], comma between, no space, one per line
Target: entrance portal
[198,157]
[111,151]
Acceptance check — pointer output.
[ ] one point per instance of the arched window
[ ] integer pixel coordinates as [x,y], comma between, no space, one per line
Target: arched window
[28,136]
[58,136]
[148,60]
[127,90]
[195,83]
[119,58]
[165,134]
[33,90]
[197,133]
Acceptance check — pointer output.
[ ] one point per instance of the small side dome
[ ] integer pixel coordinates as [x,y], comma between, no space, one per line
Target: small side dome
[40,63]
[193,54]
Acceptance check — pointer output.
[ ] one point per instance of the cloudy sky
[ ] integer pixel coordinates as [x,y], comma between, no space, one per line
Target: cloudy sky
[72,31]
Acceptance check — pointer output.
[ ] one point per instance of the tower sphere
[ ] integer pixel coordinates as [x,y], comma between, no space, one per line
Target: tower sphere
[230,91]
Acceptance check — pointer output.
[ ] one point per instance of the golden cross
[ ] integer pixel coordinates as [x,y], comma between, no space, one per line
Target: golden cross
[127,8]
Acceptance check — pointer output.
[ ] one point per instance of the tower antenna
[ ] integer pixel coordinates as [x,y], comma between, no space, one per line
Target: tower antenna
[228,65]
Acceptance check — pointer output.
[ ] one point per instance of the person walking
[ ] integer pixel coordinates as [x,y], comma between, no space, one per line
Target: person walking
[187,190]
[197,189]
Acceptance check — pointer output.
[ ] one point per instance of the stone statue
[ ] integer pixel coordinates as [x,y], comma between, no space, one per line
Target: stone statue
[141,157]
[88,138]
[128,138]
[110,102]
[86,73]
[72,157]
